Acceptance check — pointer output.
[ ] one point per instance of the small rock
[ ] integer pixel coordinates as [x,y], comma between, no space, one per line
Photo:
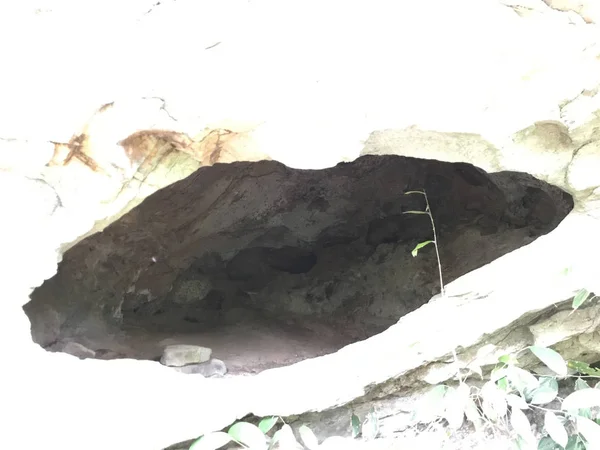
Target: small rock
[191,291]
[73,348]
[211,368]
[181,355]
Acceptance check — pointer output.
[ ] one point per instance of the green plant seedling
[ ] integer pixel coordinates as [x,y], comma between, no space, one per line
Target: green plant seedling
[433,241]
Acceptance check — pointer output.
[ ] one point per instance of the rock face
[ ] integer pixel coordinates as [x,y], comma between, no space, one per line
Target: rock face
[73,348]
[211,368]
[587,9]
[244,257]
[182,355]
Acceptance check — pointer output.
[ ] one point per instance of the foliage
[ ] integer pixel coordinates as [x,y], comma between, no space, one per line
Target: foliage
[582,296]
[257,437]
[572,423]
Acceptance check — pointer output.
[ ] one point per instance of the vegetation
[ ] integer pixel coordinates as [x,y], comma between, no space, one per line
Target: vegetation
[507,403]
[433,241]
[258,437]
[512,396]
[572,424]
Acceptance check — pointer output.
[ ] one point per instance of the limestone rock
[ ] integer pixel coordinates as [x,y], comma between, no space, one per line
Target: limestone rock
[49,330]
[473,92]
[189,291]
[104,353]
[180,355]
[589,10]
[211,368]
[73,348]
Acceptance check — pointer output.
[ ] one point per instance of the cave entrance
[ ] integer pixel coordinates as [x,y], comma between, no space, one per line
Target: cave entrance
[268,265]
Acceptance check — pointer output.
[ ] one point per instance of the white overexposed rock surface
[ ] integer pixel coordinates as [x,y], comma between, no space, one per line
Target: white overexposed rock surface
[306,83]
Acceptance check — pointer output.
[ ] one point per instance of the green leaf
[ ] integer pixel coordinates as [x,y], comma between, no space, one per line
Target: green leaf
[590,430]
[516,401]
[498,373]
[267,423]
[430,407]
[521,380]
[473,414]
[493,401]
[355,423]
[547,443]
[575,443]
[555,428]
[521,425]
[509,360]
[520,444]
[585,398]
[580,298]
[503,384]
[584,368]
[546,392]
[211,441]
[580,384]
[551,358]
[249,435]
[308,438]
[370,428]
[419,246]
[284,437]
[455,402]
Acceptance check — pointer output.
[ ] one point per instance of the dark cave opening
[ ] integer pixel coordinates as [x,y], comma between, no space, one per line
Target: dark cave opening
[268,265]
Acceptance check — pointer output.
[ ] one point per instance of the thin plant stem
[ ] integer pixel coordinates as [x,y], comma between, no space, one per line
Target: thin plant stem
[435,243]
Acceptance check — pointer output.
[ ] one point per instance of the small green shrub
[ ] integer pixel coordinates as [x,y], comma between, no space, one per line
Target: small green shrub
[433,241]
[572,425]
[257,437]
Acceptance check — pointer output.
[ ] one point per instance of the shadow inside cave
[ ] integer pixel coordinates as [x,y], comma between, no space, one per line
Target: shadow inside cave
[268,265]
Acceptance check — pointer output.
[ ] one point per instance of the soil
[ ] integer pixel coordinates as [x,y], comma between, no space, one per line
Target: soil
[247,347]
